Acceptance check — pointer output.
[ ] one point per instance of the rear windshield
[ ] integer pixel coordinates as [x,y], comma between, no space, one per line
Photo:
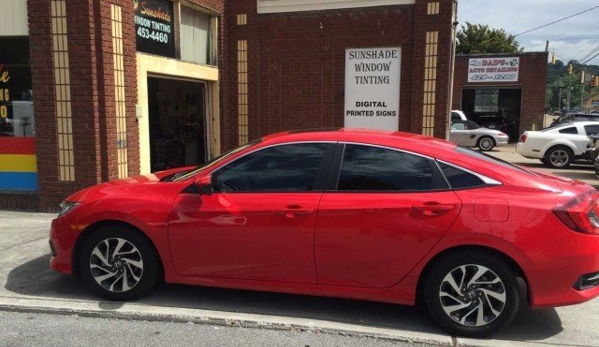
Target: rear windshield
[491,159]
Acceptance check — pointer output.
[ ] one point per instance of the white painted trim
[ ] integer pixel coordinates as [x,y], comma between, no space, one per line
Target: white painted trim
[279,6]
[148,64]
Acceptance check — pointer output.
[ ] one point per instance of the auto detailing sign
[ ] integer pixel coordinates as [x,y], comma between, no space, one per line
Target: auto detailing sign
[154,26]
[492,70]
[372,77]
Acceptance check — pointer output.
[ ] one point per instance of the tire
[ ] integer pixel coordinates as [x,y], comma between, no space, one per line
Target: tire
[457,312]
[135,269]
[559,157]
[485,143]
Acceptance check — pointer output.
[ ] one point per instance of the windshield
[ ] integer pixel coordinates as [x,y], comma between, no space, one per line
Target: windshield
[473,125]
[195,171]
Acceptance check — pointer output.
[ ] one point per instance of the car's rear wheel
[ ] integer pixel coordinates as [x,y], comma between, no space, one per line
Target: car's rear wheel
[559,157]
[486,143]
[119,264]
[471,294]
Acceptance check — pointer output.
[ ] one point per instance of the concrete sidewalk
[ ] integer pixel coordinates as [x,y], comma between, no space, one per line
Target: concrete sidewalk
[28,285]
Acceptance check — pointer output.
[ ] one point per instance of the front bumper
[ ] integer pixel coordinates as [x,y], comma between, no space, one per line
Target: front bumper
[62,242]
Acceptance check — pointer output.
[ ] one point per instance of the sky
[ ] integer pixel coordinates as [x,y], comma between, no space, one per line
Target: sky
[573,38]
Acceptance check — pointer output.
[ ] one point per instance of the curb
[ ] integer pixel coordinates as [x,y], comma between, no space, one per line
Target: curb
[132,311]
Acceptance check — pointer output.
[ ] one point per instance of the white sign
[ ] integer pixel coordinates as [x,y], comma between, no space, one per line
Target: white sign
[493,70]
[372,78]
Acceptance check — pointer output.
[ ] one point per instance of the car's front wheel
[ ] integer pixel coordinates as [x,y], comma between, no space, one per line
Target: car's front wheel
[486,143]
[119,264]
[472,293]
[559,157]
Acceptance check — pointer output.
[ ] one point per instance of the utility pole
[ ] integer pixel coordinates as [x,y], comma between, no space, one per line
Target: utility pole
[570,73]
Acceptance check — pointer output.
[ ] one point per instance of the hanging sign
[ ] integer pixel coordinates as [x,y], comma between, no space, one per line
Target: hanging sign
[493,70]
[154,26]
[372,79]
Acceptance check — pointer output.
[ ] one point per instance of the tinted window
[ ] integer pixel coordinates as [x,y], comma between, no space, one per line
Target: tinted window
[571,130]
[458,126]
[379,169]
[459,178]
[591,129]
[282,168]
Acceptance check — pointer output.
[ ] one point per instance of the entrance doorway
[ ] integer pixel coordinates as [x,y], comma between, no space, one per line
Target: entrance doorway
[177,117]
[494,108]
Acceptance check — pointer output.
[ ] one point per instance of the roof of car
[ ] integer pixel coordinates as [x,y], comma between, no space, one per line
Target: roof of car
[359,135]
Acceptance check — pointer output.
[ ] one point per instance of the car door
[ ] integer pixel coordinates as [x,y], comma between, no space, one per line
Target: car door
[259,222]
[459,133]
[382,212]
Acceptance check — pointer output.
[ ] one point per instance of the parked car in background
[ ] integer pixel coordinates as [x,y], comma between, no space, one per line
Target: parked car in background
[458,116]
[560,145]
[594,152]
[575,117]
[493,121]
[368,215]
[470,134]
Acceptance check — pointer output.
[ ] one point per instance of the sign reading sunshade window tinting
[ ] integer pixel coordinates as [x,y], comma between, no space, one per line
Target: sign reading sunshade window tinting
[154,26]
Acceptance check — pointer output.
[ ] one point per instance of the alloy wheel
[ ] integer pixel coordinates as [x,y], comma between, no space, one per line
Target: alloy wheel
[559,158]
[116,265]
[486,144]
[472,295]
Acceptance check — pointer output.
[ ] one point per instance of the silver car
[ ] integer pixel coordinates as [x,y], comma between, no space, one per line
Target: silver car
[470,134]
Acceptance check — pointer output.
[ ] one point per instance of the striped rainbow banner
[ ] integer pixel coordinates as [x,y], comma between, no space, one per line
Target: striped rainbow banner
[18,164]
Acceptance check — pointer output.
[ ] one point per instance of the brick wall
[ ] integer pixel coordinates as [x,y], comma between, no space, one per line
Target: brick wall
[297,64]
[92,95]
[532,81]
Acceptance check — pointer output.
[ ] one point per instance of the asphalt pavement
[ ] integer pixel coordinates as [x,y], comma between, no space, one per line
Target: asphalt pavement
[28,285]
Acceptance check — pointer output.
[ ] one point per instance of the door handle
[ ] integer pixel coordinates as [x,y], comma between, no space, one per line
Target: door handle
[432,209]
[293,211]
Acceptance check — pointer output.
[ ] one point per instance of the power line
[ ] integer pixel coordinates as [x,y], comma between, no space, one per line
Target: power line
[557,21]
[584,60]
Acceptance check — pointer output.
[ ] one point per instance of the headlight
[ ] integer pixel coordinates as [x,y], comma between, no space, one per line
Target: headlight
[66,207]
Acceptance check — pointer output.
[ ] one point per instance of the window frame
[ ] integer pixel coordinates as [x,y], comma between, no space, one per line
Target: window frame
[319,181]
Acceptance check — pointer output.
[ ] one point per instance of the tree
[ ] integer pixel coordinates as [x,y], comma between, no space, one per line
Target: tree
[478,38]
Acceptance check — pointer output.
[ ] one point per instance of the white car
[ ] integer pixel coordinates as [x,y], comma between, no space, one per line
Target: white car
[558,146]
[470,134]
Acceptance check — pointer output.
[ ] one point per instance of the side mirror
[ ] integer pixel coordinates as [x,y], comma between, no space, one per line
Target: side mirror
[204,185]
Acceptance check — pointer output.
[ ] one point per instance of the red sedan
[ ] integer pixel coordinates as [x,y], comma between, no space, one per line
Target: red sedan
[369,215]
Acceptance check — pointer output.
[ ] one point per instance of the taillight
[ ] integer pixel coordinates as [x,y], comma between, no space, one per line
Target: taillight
[581,214]
[523,138]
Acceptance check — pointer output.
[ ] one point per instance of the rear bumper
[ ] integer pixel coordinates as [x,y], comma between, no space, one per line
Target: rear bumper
[501,141]
[525,151]
[561,267]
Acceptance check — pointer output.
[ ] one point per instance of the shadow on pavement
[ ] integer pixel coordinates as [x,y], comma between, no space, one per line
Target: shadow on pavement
[35,278]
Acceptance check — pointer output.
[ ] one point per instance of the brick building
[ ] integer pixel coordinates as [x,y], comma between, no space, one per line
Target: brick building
[100,90]
[502,88]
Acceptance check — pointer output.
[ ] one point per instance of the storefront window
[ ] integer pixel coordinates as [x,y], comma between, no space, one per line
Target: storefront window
[486,100]
[195,36]
[16,96]
[18,162]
